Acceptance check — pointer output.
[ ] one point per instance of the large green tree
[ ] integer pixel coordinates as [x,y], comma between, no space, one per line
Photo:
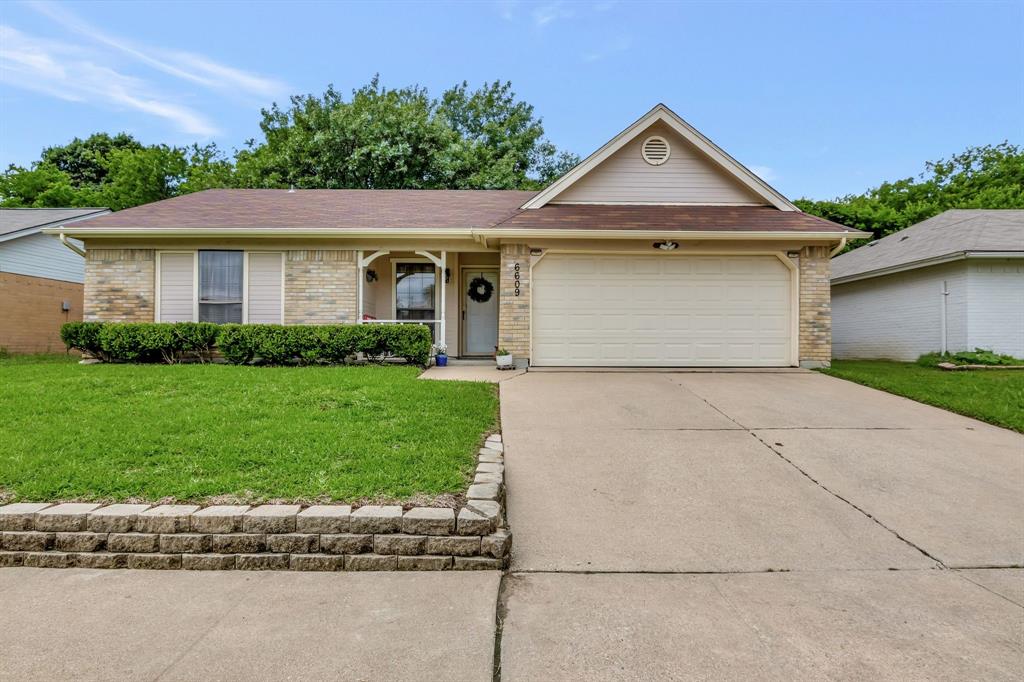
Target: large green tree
[990,176]
[401,138]
[114,171]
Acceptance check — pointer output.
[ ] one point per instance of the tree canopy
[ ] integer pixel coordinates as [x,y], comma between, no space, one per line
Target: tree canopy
[378,138]
[402,139]
[990,176]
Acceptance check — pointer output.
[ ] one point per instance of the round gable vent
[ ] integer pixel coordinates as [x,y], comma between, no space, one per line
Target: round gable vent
[655,150]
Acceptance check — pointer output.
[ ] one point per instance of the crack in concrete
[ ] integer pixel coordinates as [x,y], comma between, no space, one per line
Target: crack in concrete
[815,481]
[500,611]
[986,588]
[244,593]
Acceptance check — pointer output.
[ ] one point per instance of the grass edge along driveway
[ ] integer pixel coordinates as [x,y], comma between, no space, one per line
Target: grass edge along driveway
[991,395]
[218,432]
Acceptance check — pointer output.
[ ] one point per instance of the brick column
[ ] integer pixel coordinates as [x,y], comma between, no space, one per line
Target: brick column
[320,287]
[815,307]
[120,285]
[514,301]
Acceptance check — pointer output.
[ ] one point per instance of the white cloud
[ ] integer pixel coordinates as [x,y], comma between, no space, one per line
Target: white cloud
[766,173]
[71,73]
[183,65]
[545,14]
[608,48]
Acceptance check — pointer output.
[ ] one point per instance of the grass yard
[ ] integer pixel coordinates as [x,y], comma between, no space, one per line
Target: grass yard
[991,395]
[196,432]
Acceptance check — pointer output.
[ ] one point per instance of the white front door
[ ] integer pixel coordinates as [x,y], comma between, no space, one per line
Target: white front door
[480,308]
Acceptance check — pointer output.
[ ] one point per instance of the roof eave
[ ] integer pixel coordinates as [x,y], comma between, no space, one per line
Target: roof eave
[490,232]
[924,263]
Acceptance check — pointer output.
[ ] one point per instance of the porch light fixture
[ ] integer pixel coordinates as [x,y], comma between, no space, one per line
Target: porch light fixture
[536,252]
[447,275]
[666,246]
[371,276]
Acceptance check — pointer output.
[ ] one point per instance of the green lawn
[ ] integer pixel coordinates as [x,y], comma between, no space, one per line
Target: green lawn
[991,395]
[196,432]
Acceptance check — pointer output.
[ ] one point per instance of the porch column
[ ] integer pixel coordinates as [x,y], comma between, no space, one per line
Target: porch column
[440,263]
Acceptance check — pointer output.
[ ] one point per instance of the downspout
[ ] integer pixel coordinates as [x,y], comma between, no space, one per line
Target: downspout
[842,245]
[65,242]
[945,297]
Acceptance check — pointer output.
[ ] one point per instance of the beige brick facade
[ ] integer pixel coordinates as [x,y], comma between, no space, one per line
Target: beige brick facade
[119,285]
[514,300]
[815,307]
[320,287]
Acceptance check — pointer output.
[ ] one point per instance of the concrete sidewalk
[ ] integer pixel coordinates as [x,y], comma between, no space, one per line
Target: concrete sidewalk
[75,624]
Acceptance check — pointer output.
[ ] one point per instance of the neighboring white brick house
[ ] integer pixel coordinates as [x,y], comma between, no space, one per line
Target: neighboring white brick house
[955,281]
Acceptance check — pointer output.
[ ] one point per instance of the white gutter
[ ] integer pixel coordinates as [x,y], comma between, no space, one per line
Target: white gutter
[65,242]
[925,262]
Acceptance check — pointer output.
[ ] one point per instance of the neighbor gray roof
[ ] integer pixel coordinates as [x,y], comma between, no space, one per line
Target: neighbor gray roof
[19,222]
[958,232]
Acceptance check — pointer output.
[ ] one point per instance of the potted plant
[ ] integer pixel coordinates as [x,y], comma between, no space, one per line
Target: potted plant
[441,355]
[504,358]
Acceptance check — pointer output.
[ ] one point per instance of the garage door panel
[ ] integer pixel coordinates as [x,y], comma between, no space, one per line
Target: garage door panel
[661,310]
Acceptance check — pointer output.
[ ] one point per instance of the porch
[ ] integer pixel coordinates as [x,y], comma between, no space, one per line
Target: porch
[455,293]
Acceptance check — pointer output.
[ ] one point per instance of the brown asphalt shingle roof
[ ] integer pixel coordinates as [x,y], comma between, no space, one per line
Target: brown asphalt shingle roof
[330,208]
[410,209]
[654,217]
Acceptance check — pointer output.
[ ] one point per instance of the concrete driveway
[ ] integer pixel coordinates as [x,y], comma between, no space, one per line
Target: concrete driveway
[768,525]
[772,525]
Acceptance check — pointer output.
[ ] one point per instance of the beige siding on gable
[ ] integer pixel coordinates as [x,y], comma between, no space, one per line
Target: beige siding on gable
[688,177]
[176,283]
[265,290]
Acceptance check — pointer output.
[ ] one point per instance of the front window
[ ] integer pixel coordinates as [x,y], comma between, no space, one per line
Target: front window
[414,291]
[220,286]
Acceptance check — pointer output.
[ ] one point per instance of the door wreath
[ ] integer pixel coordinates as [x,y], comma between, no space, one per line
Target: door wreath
[480,290]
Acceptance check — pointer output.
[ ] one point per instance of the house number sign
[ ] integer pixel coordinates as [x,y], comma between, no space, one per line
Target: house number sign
[516,277]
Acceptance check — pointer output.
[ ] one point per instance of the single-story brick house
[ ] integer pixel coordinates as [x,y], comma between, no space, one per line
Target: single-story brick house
[658,250]
[40,280]
[951,283]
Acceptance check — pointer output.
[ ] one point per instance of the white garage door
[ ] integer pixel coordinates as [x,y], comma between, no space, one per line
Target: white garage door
[663,310]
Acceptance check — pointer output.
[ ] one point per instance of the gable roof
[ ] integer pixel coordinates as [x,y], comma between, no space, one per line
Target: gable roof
[954,234]
[709,149]
[21,222]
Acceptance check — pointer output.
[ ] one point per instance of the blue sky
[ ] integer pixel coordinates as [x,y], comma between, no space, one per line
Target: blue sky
[822,99]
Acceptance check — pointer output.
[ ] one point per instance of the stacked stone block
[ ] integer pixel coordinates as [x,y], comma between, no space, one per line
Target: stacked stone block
[267,537]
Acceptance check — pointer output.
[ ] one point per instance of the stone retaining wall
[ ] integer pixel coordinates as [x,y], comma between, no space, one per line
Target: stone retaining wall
[267,537]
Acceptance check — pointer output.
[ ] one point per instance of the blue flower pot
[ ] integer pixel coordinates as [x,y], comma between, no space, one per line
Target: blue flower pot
[442,360]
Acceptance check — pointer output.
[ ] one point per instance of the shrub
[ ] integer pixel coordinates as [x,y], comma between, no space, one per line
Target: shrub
[84,337]
[279,344]
[138,342]
[979,356]
[244,343]
[141,341]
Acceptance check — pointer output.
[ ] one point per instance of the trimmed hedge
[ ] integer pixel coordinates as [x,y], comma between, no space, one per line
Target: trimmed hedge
[332,343]
[141,341]
[245,343]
